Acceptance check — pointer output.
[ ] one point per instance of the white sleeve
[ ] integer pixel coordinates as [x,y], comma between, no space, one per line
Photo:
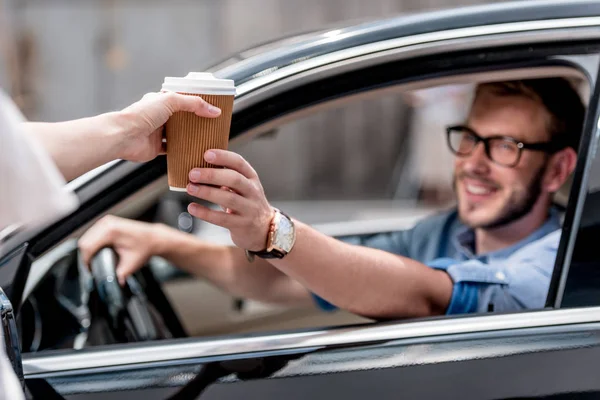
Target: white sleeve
[31,193]
[31,187]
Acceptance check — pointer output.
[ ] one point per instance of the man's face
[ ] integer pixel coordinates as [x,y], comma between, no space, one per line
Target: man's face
[491,195]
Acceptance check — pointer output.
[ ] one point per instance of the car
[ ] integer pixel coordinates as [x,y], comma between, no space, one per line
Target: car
[73,333]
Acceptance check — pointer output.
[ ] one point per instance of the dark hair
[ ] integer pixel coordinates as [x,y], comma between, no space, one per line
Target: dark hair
[560,99]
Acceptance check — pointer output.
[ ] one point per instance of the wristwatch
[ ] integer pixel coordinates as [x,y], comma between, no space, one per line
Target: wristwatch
[280,239]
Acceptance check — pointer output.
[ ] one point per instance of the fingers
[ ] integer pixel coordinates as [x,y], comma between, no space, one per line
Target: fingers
[130,239]
[195,104]
[223,177]
[215,217]
[232,161]
[96,238]
[225,198]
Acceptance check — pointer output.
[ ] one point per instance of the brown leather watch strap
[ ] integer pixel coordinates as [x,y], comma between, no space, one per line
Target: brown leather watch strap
[267,254]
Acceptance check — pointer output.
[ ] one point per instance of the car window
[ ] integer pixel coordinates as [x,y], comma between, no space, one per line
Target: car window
[374,162]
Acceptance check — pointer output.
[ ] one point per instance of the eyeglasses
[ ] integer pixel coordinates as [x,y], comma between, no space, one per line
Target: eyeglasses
[502,150]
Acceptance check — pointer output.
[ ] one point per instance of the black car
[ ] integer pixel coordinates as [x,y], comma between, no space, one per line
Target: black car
[84,337]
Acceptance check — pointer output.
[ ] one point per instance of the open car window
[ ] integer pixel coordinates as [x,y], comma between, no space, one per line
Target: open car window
[387,156]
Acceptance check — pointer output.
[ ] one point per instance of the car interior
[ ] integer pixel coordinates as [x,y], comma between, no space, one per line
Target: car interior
[162,302]
[582,287]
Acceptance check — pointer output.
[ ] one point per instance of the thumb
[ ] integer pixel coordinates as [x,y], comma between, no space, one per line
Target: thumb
[90,244]
[195,104]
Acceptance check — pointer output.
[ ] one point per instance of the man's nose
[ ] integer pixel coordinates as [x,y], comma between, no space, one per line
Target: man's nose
[478,161]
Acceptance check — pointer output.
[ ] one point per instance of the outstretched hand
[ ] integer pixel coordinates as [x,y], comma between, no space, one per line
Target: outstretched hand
[245,209]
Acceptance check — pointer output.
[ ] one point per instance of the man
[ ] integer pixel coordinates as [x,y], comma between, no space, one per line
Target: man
[35,158]
[495,252]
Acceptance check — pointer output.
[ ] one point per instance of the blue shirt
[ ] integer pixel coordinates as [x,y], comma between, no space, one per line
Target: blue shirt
[514,278]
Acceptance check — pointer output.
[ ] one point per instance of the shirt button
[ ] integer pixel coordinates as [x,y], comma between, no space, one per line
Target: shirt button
[500,276]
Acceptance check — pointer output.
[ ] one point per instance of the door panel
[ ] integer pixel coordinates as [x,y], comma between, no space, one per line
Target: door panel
[497,365]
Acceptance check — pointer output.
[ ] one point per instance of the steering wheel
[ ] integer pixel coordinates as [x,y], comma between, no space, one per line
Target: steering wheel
[127,309]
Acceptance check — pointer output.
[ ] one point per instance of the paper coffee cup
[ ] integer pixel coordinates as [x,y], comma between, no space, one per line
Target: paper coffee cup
[188,135]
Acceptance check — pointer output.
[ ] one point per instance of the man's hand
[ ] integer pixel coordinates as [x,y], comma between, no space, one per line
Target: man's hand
[145,120]
[247,213]
[135,242]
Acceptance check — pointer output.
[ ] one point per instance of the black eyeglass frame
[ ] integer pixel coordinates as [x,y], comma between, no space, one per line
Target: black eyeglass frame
[548,147]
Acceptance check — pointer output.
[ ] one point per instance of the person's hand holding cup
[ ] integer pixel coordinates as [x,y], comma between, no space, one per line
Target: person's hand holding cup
[190,136]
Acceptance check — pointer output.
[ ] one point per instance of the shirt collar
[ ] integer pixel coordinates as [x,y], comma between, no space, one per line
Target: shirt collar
[464,238]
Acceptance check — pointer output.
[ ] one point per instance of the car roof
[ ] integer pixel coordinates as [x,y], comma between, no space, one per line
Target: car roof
[269,57]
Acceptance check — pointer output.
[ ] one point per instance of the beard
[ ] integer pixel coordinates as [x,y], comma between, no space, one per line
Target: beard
[516,206]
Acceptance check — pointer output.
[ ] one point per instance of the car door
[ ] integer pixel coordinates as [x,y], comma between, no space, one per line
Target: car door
[479,356]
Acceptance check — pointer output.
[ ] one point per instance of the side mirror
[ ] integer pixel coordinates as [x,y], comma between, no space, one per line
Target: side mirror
[11,335]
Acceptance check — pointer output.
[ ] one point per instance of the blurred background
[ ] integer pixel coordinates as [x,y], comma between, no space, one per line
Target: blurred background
[61,59]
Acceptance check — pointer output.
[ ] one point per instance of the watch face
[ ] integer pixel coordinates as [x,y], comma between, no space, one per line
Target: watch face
[285,234]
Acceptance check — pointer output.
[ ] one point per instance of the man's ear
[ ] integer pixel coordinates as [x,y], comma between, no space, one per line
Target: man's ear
[560,167]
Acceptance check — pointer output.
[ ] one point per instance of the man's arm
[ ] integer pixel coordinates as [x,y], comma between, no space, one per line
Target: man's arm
[224,266]
[228,268]
[369,282]
[133,134]
[365,281]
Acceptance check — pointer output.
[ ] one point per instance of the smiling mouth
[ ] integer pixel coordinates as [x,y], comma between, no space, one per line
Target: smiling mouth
[478,189]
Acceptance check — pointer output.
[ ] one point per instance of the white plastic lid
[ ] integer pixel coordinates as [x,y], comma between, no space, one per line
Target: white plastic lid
[199,83]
